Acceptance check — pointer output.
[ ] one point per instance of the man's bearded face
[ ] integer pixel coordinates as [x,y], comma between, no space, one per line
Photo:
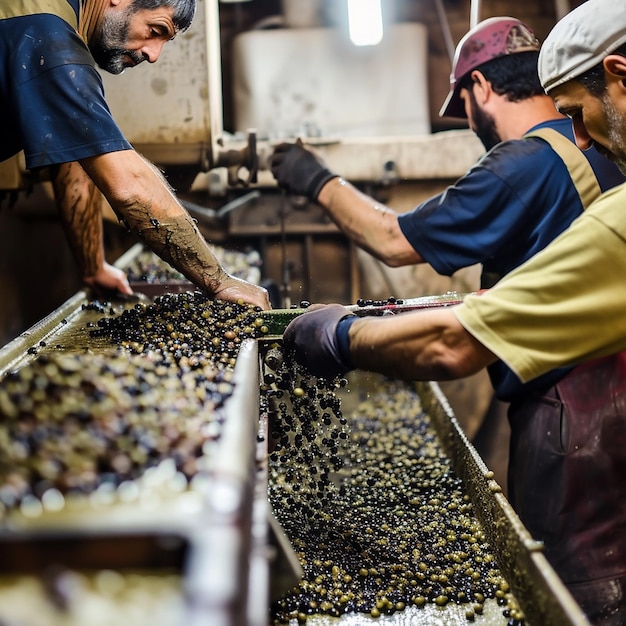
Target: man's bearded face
[108,45]
[616,124]
[482,123]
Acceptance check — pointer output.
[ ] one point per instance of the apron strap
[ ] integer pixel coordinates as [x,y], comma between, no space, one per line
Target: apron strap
[60,8]
[580,170]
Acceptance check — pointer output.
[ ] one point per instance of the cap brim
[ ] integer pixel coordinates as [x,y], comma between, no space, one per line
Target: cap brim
[453,106]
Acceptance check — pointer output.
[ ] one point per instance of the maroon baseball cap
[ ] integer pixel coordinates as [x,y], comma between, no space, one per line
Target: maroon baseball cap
[491,38]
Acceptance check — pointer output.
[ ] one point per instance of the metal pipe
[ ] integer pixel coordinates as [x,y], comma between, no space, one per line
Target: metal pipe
[474,13]
[561,8]
[445,29]
[214,79]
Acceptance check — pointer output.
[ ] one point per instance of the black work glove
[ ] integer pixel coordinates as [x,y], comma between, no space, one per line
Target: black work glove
[312,339]
[299,171]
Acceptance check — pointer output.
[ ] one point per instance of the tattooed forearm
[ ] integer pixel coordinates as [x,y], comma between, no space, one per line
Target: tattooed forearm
[80,206]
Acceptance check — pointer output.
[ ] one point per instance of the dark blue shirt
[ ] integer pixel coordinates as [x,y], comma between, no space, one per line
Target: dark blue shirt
[508,207]
[52,102]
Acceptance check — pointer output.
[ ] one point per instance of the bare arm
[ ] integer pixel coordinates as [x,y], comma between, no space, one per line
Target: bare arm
[146,204]
[371,225]
[425,345]
[79,204]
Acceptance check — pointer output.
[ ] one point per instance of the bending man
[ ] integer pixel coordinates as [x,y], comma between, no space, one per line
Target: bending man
[53,106]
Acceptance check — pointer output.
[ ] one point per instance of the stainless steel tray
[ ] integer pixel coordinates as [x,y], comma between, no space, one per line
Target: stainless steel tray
[214,536]
[536,588]
[544,598]
[219,539]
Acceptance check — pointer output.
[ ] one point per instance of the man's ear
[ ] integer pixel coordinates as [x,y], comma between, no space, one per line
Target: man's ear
[615,65]
[483,86]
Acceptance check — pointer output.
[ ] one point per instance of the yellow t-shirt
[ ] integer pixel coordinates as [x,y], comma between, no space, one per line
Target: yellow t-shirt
[565,305]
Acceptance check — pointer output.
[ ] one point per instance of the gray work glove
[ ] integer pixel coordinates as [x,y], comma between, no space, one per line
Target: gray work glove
[299,171]
[312,339]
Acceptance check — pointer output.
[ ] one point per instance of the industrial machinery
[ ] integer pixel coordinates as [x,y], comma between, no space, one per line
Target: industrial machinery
[248,75]
[211,110]
[376,133]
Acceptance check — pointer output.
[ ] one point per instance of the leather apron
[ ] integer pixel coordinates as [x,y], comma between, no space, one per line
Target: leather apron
[567,481]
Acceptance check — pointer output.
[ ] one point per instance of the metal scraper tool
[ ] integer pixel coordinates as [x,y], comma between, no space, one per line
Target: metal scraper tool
[278,319]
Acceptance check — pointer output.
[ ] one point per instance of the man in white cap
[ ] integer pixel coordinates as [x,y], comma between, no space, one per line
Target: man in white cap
[565,306]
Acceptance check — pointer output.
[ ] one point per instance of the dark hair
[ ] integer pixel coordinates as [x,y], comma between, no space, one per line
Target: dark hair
[184,10]
[512,75]
[593,80]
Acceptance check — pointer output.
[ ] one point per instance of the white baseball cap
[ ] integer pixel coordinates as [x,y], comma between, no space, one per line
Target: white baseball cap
[580,40]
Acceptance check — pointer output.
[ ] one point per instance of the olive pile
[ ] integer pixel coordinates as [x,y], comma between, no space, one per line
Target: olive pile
[72,422]
[372,506]
[75,598]
[186,328]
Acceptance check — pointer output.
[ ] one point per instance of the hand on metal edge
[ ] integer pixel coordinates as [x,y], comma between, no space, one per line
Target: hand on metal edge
[109,279]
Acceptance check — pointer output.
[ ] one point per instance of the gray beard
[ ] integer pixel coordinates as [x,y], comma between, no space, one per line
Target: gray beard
[617,133]
[108,45]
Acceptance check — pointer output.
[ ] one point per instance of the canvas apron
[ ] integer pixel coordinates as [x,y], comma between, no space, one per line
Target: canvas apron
[567,471]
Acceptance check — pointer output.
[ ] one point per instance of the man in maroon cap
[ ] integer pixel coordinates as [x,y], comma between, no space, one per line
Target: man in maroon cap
[520,195]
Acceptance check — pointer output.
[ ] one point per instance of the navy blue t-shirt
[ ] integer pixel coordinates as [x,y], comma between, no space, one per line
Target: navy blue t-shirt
[509,206]
[52,102]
